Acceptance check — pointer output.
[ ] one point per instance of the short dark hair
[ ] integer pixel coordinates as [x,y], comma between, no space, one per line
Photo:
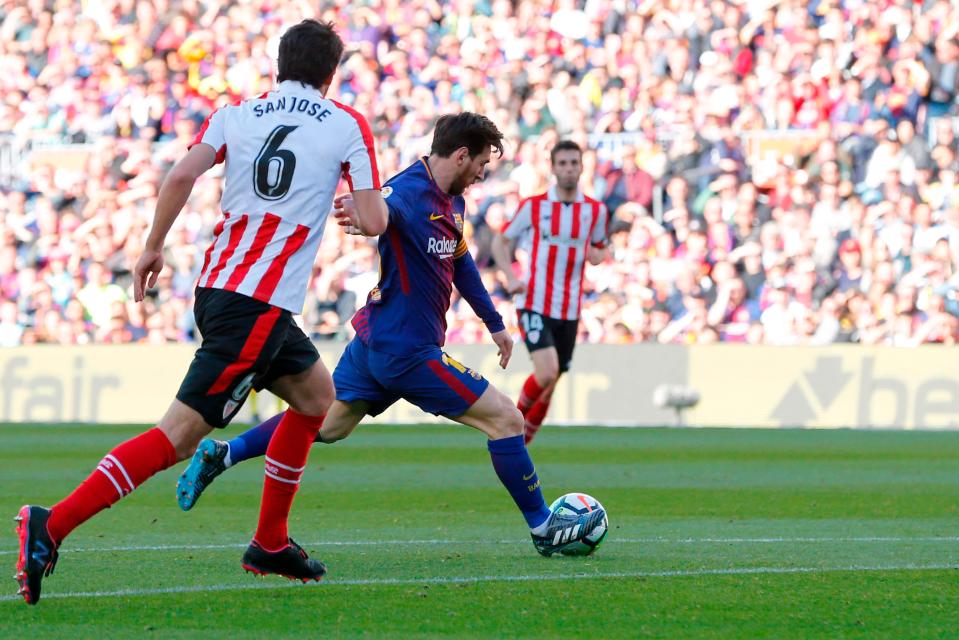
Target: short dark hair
[467,129]
[309,53]
[564,145]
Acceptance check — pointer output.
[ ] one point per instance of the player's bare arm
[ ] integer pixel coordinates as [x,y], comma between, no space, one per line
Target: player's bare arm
[174,191]
[501,256]
[362,212]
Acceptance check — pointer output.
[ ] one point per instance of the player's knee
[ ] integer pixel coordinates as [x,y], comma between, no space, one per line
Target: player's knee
[185,436]
[313,403]
[547,376]
[511,421]
[330,433]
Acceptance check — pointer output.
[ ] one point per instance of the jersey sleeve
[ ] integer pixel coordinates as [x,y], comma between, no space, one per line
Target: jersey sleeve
[213,133]
[466,278]
[521,221]
[359,162]
[601,228]
[395,206]
[461,249]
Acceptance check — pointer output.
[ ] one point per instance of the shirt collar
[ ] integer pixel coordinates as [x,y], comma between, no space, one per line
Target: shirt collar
[424,162]
[552,196]
[295,86]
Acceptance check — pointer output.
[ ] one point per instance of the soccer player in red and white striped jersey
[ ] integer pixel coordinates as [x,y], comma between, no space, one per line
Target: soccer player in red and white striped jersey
[285,153]
[561,230]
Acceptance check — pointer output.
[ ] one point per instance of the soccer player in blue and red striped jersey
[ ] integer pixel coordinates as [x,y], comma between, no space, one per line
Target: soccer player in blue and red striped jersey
[397,352]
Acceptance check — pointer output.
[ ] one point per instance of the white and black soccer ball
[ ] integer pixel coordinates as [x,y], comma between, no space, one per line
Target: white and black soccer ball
[578,504]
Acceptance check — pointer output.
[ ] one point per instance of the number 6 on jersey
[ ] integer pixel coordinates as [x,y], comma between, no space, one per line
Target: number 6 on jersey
[274,167]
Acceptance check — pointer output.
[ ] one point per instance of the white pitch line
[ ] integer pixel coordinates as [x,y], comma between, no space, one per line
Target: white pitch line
[385,543]
[796,539]
[674,573]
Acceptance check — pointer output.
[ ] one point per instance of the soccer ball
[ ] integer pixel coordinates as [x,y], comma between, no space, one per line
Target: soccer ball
[578,504]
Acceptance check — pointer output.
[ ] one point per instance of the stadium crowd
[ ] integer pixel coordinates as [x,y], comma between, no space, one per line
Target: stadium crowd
[778,172]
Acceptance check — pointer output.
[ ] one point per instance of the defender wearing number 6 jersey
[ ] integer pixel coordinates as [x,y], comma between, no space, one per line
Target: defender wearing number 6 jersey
[285,153]
[561,230]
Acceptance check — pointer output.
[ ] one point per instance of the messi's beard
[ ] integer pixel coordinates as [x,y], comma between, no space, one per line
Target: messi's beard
[459,185]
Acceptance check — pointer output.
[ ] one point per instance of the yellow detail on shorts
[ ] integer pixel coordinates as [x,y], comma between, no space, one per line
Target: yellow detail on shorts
[450,362]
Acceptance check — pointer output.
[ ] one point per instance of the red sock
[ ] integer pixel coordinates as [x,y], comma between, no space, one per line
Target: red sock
[535,417]
[285,460]
[530,393]
[119,473]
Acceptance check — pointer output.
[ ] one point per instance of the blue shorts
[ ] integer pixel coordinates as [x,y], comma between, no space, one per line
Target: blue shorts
[430,379]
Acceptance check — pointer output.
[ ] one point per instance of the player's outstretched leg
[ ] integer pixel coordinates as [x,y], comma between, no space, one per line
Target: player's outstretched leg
[41,531]
[495,415]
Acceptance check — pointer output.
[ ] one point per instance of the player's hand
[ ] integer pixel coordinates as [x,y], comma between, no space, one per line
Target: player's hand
[505,344]
[145,272]
[514,286]
[344,210]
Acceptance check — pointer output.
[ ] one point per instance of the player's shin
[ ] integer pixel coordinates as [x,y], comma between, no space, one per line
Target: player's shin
[536,415]
[529,394]
[286,457]
[253,442]
[120,472]
[515,470]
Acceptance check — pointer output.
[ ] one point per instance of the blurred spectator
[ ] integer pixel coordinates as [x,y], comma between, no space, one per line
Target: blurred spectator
[778,173]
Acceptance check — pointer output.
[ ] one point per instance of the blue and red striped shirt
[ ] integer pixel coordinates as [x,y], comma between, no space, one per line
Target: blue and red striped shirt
[422,255]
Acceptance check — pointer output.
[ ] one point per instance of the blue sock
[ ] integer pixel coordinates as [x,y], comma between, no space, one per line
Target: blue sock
[514,467]
[253,442]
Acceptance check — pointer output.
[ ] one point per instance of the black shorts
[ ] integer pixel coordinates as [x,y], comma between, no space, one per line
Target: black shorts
[247,344]
[540,332]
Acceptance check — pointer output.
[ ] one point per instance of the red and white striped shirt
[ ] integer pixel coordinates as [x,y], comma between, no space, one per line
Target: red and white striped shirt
[285,153]
[557,236]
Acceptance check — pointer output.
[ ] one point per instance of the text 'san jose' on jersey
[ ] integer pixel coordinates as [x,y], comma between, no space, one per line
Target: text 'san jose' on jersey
[285,153]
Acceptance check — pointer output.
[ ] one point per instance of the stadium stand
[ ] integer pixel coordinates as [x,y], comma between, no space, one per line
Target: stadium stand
[778,172]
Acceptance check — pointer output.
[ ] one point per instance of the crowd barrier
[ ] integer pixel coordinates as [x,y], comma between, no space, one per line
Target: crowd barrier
[739,386]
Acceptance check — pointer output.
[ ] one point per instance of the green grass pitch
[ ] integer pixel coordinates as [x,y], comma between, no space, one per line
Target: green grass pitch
[714,533]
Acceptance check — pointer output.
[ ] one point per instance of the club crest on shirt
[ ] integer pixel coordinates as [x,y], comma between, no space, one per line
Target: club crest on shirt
[458,218]
[386,192]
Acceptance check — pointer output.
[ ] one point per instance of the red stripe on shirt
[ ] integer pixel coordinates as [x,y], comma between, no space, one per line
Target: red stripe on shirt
[571,254]
[345,170]
[236,233]
[582,267]
[367,134]
[274,273]
[551,260]
[217,230]
[199,135]
[531,288]
[519,210]
[361,323]
[452,381]
[397,245]
[597,211]
[249,353]
[263,236]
